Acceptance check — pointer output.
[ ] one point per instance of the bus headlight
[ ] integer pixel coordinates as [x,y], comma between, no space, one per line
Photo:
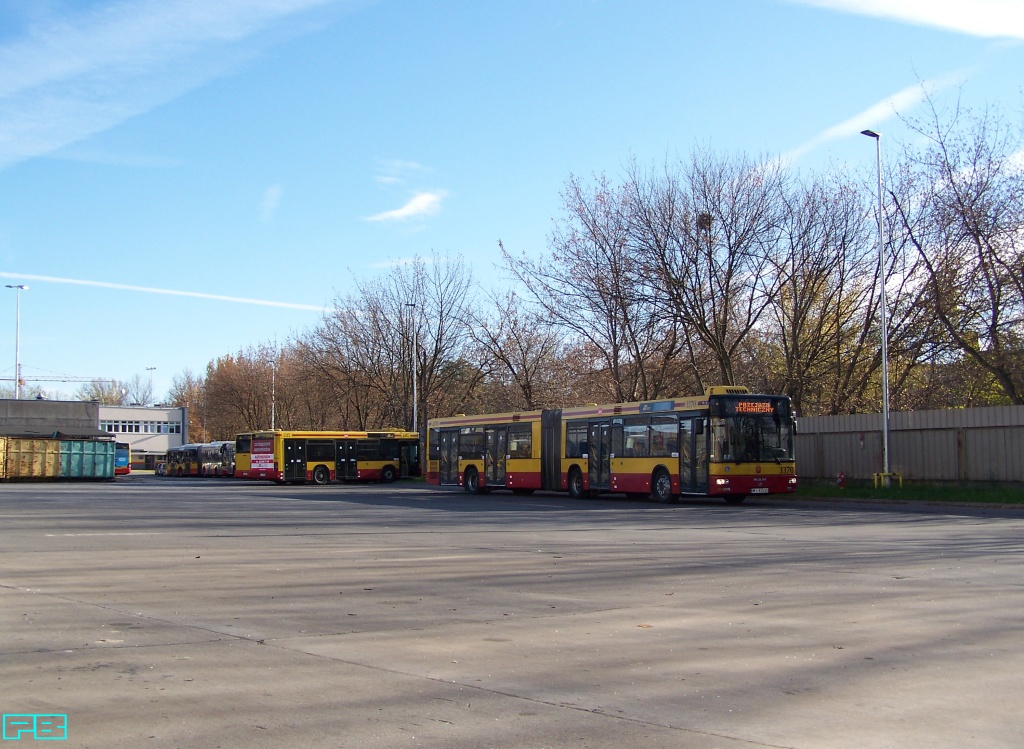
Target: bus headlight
[792,479]
[722,482]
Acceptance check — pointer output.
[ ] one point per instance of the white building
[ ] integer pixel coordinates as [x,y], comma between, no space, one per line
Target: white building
[150,430]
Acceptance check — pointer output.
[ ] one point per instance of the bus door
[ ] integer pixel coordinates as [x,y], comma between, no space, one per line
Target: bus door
[495,450]
[347,467]
[599,454]
[448,464]
[294,460]
[409,459]
[693,454]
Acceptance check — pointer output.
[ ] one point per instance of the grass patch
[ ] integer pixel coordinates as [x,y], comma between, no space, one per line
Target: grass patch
[918,492]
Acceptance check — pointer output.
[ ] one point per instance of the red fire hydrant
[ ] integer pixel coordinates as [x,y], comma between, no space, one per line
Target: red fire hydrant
[841,481]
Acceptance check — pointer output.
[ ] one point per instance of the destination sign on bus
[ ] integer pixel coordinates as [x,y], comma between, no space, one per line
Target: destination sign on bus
[754,407]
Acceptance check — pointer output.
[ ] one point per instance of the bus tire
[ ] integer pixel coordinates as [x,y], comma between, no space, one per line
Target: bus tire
[735,499]
[576,490]
[321,475]
[471,481]
[387,474]
[661,486]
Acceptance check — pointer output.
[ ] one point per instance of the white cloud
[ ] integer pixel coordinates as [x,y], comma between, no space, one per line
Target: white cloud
[77,73]
[422,204]
[398,171]
[984,18]
[873,116]
[271,200]
[170,292]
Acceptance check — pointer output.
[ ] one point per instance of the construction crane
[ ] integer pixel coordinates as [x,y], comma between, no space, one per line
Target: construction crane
[58,378]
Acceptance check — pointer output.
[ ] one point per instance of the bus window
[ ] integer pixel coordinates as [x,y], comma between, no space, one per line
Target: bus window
[575,439]
[320,450]
[634,432]
[471,443]
[664,436]
[435,444]
[520,441]
[368,449]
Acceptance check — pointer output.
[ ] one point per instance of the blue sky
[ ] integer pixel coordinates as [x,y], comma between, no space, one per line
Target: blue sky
[180,179]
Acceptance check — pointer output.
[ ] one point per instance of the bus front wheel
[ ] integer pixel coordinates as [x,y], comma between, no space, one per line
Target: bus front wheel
[576,490]
[735,499]
[321,475]
[387,474]
[661,486]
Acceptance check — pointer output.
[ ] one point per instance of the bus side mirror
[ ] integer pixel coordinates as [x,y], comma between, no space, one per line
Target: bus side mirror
[795,429]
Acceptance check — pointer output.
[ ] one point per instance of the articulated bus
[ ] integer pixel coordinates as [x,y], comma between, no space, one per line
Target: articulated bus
[728,443]
[203,459]
[322,457]
[122,459]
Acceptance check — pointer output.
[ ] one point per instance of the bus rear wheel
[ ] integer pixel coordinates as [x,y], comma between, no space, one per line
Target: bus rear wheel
[321,475]
[661,486]
[471,482]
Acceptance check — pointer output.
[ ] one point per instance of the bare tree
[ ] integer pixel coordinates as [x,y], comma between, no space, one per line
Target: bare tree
[139,391]
[239,388]
[522,347]
[709,230]
[966,221]
[364,347]
[107,392]
[593,286]
[819,322]
[189,390]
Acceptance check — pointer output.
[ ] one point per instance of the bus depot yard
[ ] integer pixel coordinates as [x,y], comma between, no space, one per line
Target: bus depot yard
[218,613]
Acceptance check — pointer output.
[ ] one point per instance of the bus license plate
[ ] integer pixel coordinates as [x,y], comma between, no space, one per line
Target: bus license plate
[759,490]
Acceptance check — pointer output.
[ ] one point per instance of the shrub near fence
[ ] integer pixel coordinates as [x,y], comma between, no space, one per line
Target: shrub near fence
[963,445]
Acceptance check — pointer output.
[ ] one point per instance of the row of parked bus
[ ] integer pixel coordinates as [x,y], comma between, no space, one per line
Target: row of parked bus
[200,459]
[301,457]
[728,443]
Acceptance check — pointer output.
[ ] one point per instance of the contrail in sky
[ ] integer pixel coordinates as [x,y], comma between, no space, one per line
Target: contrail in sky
[169,292]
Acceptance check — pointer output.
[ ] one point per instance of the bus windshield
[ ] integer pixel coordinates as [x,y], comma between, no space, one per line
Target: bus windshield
[751,429]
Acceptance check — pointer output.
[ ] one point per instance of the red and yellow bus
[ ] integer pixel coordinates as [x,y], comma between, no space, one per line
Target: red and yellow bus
[728,443]
[322,457]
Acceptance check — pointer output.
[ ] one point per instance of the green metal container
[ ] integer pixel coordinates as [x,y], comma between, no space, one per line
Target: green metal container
[86,459]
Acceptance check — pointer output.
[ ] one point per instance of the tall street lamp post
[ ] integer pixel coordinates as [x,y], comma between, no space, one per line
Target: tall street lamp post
[150,370]
[18,288]
[883,311]
[415,343]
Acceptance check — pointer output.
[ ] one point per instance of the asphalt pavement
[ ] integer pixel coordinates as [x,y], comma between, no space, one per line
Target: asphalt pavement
[162,612]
